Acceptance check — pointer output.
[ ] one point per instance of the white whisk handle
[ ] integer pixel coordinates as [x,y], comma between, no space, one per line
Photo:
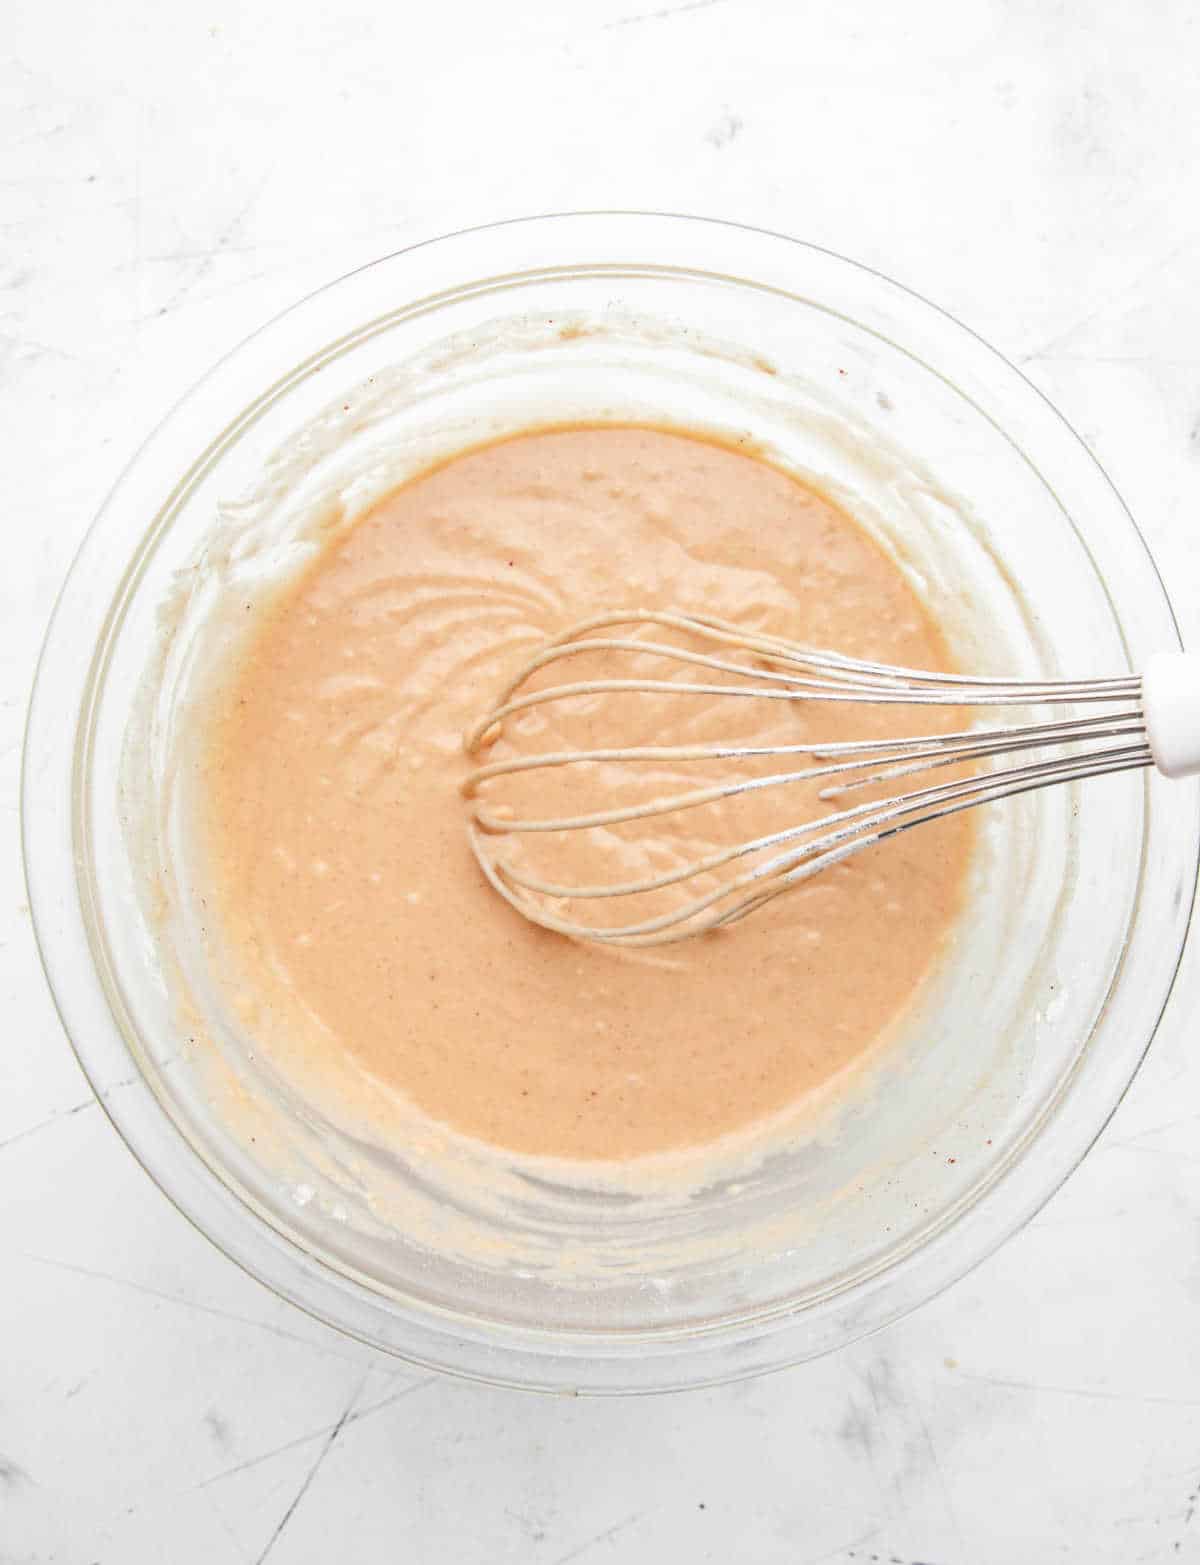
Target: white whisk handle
[1171,707]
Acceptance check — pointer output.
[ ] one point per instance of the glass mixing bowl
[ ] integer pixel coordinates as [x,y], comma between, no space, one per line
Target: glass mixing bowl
[1029,1038]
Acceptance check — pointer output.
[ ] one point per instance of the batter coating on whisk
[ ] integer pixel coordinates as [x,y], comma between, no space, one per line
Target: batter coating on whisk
[347,892]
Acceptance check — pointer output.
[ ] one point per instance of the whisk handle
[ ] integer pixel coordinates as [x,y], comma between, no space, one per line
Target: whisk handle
[1171,708]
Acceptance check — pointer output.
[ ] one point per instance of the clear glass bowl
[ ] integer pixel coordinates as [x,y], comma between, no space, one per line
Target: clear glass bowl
[1037,1035]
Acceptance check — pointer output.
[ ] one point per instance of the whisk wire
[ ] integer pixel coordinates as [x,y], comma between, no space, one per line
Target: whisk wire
[794,853]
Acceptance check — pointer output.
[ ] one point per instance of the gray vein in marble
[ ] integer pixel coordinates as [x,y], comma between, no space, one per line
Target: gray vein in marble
[76,1108]
[44,1124]
[1131,287]
[207,256]
[12,1474]
[600,1537]
[943,1481]
[725,130]
[330,1441]
[843,1550]
[886,1559]
[218,1428]
[356,1417]
[1037,1387]
[661,16]
[131,1286]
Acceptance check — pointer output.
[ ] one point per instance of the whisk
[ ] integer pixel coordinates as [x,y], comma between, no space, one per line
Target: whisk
[1127,722]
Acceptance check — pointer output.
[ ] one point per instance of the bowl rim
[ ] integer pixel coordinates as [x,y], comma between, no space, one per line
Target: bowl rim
[140,1118]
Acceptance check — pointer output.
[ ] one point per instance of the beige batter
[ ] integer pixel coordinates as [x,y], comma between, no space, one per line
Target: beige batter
[332,825]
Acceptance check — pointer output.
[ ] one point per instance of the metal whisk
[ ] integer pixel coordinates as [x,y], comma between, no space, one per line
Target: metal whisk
[1128,722]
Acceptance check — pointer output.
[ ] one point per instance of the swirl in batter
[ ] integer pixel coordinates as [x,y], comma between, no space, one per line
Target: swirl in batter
[347,896]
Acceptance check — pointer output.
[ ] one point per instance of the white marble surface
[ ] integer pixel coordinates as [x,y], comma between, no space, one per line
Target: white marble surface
[171,175]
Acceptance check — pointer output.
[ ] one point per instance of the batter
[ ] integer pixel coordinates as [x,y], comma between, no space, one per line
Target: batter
[333,829]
